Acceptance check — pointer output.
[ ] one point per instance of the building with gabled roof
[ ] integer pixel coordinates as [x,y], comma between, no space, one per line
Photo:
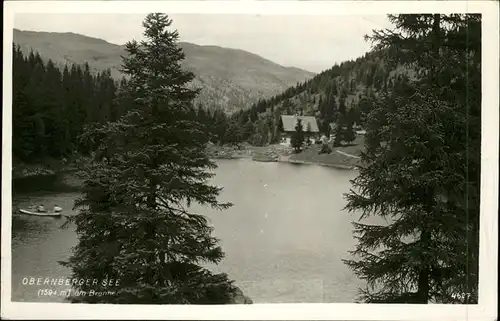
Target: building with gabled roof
[290,121]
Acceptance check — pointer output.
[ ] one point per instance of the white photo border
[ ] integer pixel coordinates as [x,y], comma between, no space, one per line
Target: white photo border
[486,308]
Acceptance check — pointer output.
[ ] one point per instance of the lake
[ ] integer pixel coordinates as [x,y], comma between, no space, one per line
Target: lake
[284,238]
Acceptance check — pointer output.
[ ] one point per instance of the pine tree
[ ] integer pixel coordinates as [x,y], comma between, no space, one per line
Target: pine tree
[79,91]
[287,107]
[297,139]
[339,135]
[276,127]
[123,101]
[331,109]
[421,168]
[219,125]
[33,91]
[51,100]
[308,133]
[364,107]
[342,105]
[264,132]
[135,214]
[233,135]
[248,130]
[104,97]
[349,134]
[22,124]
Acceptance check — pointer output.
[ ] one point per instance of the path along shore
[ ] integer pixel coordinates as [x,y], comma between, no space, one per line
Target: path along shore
[344,157]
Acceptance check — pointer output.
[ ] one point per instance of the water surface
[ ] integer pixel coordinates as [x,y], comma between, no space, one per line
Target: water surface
[284,238]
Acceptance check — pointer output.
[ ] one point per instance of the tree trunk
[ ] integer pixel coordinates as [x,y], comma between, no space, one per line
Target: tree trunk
[423,276]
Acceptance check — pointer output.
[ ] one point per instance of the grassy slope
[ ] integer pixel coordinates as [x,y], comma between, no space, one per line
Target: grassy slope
[310,154]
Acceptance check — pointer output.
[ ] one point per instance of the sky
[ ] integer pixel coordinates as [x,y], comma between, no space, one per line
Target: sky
[310,42]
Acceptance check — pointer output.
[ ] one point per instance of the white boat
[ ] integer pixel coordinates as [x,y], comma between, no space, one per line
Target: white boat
[49,214]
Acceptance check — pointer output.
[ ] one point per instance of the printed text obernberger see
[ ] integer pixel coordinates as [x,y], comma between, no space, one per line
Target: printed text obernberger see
[68,282]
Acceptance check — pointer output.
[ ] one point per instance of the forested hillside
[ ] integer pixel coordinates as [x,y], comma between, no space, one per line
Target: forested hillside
[341,95]
[52,104]
[51,107]
[230,79]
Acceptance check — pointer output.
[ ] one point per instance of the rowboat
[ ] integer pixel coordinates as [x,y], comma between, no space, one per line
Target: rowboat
[48,214]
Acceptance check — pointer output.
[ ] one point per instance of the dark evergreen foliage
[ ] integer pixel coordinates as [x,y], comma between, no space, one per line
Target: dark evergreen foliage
[350,134]
[298,136]
[135,224]
[339,135]
[421,167]
[50,107]
[326,95]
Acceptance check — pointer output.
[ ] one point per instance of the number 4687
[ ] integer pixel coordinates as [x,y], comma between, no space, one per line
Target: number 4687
[460,296]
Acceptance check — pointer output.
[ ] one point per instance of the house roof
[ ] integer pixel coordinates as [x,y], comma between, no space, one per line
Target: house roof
[290,121]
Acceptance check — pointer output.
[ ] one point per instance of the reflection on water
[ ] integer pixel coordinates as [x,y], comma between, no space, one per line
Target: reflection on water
[284,238]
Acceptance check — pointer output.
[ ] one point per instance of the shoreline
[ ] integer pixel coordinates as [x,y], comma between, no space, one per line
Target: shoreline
[46,167]
[301,162]
[289,160]
[343,157]
[339,158]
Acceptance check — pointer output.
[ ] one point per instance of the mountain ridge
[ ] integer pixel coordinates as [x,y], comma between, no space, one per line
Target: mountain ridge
[231,79]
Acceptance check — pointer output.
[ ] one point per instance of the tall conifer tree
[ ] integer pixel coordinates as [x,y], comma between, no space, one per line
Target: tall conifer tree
[297,139]
[421,167]
[135,224]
